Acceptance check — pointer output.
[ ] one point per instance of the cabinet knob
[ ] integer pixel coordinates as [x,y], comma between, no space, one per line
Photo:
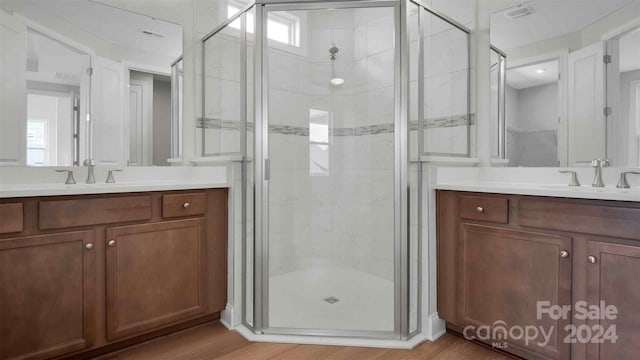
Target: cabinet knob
[88,246]
[564,254]
[480,209]
[186,205]
[592,259]
[111,242]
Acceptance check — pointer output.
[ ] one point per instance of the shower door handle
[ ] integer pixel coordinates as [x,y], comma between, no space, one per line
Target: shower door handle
[267,169]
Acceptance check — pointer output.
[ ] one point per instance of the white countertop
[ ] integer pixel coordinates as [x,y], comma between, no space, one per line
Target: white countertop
[536,182]
[26,181]
[564,191]
[27,190]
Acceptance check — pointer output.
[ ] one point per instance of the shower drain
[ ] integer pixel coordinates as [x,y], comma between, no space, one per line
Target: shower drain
[331,300]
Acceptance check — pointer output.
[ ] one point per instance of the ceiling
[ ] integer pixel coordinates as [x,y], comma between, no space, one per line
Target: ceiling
[550,19]
[529,76]
[110,24]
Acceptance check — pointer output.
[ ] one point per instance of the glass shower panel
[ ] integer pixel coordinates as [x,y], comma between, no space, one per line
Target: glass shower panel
[222,93]
[331,188]
[446,88]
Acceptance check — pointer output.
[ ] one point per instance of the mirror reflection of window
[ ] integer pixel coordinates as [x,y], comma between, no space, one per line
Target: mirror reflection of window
[56,76]
[283,27]
[319,154]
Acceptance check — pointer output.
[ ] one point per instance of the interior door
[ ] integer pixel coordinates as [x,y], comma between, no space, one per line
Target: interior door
[587,121]
[107,114]
[13,94]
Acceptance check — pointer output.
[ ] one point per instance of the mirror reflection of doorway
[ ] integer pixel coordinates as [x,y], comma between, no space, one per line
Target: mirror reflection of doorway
[149,119]
[623,75]
[532,114]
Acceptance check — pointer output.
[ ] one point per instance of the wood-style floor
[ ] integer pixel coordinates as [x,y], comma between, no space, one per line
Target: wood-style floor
[214,341]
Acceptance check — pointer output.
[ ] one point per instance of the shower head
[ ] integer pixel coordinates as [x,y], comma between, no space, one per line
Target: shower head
[335,81]
[333,51]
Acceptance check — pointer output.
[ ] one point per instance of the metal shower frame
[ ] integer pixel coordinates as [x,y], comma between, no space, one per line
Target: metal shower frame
[260,160]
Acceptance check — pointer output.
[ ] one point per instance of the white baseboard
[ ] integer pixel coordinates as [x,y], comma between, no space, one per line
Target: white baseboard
[226,317]
[435,327]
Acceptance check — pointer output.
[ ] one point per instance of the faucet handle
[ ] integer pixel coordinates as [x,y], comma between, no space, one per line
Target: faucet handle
[622,183]
[574,177]
[89,162]
[70,180]
[110,178]
[600,163]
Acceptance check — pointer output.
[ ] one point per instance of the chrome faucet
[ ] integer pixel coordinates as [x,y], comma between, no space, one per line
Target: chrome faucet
[90,163]
[574,177]
[599,164]
[70,180]
[623,183]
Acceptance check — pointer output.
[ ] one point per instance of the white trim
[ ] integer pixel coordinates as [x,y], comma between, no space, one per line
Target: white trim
[337,341]
[226,316]
[434,327]
[620,30]
[30,24]
[151,69]
[499,162]
[443,160]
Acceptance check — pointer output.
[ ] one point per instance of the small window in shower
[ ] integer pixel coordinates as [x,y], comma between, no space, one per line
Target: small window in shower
[318,142]
[284,28]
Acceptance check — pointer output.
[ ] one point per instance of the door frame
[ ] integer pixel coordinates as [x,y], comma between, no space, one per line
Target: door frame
[262,172]
[561,57]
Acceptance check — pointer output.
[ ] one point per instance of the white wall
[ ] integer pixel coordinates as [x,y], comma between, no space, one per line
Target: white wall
[537,108]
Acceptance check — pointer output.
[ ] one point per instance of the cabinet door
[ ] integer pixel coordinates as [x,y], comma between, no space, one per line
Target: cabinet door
[613,278]
[504,273]
[47,295]
[156,275]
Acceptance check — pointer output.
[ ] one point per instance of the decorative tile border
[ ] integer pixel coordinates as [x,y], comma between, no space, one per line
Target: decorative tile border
[449,121]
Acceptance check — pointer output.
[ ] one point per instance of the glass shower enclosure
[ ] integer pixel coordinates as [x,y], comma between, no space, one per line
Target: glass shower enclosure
[330,106]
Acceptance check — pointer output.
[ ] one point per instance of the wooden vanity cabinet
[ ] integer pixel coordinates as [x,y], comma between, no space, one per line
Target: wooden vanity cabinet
[613,279]
[499,254]
[118,272]
[156,275]
[47,295]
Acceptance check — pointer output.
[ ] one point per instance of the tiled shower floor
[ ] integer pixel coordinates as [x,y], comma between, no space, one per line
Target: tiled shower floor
[331,298]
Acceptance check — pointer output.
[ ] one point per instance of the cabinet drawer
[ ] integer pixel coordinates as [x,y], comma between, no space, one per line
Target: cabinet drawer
[581,218]
[82,212]
[482,208]
[184,205]
[11,218]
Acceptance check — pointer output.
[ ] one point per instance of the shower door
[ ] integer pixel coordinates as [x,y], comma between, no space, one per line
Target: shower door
[331,163]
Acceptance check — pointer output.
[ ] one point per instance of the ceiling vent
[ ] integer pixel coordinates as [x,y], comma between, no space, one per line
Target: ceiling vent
[151,33]
[518,12]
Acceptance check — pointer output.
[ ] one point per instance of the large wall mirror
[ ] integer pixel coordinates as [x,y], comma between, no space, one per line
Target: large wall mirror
[83,80]
[565,79]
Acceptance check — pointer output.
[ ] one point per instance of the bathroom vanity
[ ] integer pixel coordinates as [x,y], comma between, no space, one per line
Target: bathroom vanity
[499,254]
[89,273]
